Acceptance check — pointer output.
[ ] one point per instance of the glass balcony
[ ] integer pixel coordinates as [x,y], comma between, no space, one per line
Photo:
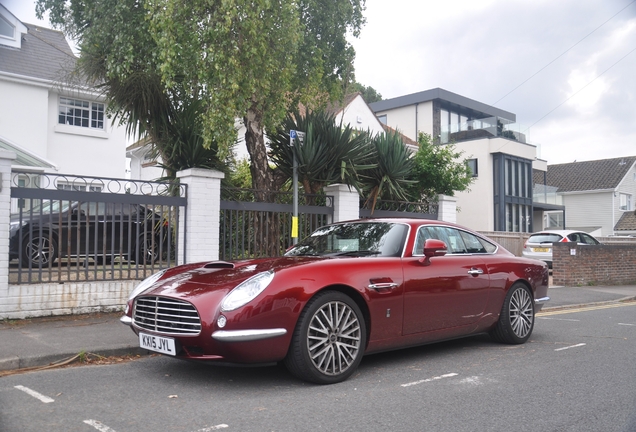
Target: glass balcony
[489,127]
[546,194]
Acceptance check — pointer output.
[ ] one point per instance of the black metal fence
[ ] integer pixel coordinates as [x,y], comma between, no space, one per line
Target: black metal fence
[385,208]
[259,223]
[77,228]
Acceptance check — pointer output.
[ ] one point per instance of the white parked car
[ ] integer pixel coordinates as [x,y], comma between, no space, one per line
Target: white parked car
[539,245]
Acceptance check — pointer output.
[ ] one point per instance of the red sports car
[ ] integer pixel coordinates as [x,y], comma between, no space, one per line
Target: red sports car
[349,289]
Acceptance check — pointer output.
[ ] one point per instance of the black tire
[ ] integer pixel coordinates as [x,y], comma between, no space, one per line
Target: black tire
[148,252]
[516,320]
[338,345]
[39,249]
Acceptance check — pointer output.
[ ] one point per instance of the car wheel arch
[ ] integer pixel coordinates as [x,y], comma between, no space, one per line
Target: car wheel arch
[350,292]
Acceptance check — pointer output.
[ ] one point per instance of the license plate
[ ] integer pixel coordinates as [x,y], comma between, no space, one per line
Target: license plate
[540,250]
[158,344]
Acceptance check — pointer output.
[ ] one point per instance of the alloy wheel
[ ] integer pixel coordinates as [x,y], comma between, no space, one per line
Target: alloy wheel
[521,313]
[334,338]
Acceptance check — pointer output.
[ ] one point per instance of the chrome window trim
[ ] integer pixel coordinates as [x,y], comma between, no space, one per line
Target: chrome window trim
[413,253]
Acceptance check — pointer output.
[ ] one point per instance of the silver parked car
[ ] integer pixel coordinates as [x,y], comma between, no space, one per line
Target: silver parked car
[539,245]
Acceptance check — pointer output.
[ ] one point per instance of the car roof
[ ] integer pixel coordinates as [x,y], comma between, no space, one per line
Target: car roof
[560,232]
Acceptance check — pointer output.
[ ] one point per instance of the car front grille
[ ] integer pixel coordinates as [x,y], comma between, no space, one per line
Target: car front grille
[166,315]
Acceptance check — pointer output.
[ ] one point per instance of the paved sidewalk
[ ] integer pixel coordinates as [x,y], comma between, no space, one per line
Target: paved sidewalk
[41,341]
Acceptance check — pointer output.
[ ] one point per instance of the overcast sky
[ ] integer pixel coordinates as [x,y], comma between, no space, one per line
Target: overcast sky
[580,107]
[483,49]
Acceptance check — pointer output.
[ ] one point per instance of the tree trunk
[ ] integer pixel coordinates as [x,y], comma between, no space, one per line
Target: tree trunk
[266,226]
[262,179]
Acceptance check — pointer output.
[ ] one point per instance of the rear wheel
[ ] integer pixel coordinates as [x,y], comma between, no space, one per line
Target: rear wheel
[148,249]
[516,320]
[329,340]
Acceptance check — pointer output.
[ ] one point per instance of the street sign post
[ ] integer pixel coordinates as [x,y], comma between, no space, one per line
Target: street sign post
[294,137]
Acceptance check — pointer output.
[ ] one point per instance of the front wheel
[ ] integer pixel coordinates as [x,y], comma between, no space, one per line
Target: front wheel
[516,320]
[329,340]
[147,249]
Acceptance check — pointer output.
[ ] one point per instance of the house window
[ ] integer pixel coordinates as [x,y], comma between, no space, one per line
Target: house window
[474,166]
[625,202]
[6,29]
[76,112]
[513,193]
[382,119]
[78,187]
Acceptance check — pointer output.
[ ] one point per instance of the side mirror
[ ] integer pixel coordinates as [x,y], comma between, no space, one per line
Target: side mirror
[433,248]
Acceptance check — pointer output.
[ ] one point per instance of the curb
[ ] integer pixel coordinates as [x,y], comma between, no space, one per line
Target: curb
[16,363]
[580,305]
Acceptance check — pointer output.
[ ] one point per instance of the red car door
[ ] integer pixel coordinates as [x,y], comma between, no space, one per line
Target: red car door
[449,292]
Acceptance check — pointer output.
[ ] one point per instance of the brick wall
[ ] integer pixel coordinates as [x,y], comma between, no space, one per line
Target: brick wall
[575,265]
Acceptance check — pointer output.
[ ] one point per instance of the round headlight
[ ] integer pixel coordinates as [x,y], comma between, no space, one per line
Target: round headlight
[145,284]
[247,291]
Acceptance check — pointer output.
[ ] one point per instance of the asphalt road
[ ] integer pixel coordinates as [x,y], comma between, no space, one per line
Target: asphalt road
[577,374]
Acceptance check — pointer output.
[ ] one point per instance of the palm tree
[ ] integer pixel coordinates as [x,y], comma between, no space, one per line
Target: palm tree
[389,177]
[330,152]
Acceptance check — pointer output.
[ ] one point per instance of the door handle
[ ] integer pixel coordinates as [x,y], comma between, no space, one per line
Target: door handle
[475,271]
[384,285]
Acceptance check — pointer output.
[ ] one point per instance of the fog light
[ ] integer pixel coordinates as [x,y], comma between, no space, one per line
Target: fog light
[221,321]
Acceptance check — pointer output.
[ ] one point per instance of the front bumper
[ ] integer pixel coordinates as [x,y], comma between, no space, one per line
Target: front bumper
[247,335]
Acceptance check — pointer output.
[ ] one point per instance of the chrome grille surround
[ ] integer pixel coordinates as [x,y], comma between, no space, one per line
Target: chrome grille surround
[166,315]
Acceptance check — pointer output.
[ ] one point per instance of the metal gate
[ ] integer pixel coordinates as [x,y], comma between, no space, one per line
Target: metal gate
[80,228]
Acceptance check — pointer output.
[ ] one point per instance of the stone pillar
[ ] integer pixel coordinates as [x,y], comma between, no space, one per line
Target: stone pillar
[199,238]
[6,157]
[346,202]
[447,209]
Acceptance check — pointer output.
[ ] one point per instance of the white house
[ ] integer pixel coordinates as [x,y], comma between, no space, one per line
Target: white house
[598,195]
[500,199]
[51,123]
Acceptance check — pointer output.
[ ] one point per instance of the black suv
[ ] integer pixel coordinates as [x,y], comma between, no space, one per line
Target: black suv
[97,230]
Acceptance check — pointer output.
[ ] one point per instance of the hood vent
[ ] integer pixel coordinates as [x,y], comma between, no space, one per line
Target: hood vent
[218,265]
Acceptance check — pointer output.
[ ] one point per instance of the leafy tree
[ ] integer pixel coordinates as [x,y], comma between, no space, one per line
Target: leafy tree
[255,59]
[119,56]
[330,152]
[438,169]
[369,94]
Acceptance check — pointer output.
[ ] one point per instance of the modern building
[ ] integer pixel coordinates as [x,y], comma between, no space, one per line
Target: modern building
[502,162]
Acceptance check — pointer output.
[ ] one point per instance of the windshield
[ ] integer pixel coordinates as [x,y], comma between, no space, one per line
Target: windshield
[49,206]
[354,239]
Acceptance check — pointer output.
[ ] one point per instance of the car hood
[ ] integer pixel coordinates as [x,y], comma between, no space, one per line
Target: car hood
[197,279]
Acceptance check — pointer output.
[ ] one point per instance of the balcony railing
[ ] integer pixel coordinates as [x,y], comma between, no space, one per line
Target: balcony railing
[489,127]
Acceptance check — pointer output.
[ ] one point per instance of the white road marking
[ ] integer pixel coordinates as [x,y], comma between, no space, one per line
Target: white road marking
[430,379]
[101,427]
[558,319]
[35,394]
[571,346]
[213,428]
[627,324]
[474,380]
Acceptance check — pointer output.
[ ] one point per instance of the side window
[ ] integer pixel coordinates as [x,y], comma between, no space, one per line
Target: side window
[473,245]
[490,248]
[429,232]
[455,242]
[93,208]
[588,239]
